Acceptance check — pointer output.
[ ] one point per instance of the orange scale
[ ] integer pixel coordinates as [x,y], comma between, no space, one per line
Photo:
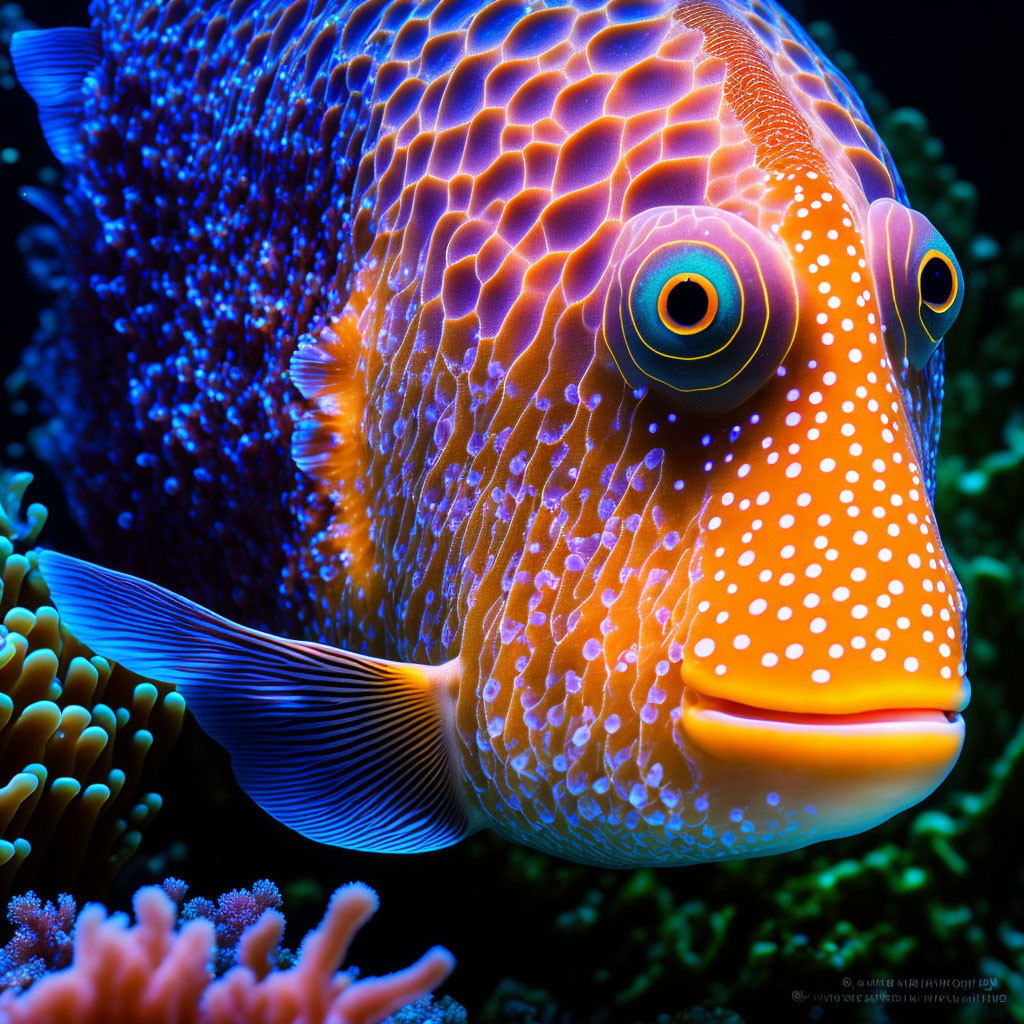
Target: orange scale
[491,256]
[699,138]
[382,155]
[467,240]
[641,156]
[433,268]
[506,78]
[483,142]
[680,182]
[619,47]
[460,189]
[460,289]
[503,179]
[873,174]
[710,71]
[515,137]
[730,160]
[683,44]
[582,102]
[464,94]
[430,201]
[642,127]
[752,178]
[539,31]
[534,99]
[585,267]
[441,53]
[409,130]
[557,56]
[390,75]
[588,156]
[570,219]
[810,85]
[499,293]
[401,217]
[549,130]
[447,151]
[521,213]
[391,182]
[358,69]
[543,274]
[654,84]
[798,53]
[587,26]
[419,152]
[704,103]
[402,103]
[541,158]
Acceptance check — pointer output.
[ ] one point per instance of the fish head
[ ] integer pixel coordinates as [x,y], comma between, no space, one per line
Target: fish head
[654,379]
[739,615]
[819,626]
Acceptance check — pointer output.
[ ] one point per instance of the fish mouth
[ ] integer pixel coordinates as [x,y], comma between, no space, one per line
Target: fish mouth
[920,741]
[850,771]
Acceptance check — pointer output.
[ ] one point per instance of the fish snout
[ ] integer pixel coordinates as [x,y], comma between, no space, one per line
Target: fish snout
[824,653]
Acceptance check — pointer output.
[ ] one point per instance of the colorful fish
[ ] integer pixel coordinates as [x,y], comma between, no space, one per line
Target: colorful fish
[622,396]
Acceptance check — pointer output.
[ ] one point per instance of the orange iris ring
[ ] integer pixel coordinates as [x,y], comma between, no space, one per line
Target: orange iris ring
[710,291]
[936,254]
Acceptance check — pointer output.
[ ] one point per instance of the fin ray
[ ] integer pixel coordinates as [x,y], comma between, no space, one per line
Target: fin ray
[51,65]
[347,749]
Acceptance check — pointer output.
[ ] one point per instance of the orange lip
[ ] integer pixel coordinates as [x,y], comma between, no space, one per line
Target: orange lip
[921,742]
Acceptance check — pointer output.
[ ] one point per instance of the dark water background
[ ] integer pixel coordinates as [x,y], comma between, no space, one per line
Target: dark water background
[960,65]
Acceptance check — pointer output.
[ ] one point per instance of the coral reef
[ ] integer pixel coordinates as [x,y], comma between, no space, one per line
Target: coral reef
[233,913]
[41,942]
[430,1011]
[78,735]
[154,971]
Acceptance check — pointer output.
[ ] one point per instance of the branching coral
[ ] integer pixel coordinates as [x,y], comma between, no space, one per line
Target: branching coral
[41,942]
[152,972]
[233,913]
[76,732]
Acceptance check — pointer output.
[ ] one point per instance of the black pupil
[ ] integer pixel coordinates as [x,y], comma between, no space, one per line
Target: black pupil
[936,282]
[687,303]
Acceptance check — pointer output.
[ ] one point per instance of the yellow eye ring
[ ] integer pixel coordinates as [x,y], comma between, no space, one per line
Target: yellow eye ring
[954,290]
[710,293]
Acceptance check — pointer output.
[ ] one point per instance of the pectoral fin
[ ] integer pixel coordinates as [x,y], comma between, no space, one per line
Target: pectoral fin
[51,65]
[347,749]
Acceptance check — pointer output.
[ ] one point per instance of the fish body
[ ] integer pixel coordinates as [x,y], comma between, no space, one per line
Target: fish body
[605,393]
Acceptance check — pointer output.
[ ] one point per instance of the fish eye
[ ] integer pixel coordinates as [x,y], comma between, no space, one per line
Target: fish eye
[701,306]
[917,278]
[687,303]
[937,281]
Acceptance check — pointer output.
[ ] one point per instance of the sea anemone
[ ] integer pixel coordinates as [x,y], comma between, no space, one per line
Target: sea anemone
[78,734]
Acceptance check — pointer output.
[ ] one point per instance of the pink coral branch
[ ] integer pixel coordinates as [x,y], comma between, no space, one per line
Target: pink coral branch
[150,973]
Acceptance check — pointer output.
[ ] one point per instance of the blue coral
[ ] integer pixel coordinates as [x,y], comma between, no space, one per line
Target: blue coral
[41,942]
[233,913]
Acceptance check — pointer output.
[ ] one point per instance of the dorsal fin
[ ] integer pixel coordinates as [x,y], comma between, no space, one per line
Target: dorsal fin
[51,65]
[328,442]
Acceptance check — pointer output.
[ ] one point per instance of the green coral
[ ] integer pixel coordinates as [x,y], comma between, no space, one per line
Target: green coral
[78,735]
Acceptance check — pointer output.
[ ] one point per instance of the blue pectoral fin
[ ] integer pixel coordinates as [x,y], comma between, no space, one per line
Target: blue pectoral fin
[51,65]
[346,749]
